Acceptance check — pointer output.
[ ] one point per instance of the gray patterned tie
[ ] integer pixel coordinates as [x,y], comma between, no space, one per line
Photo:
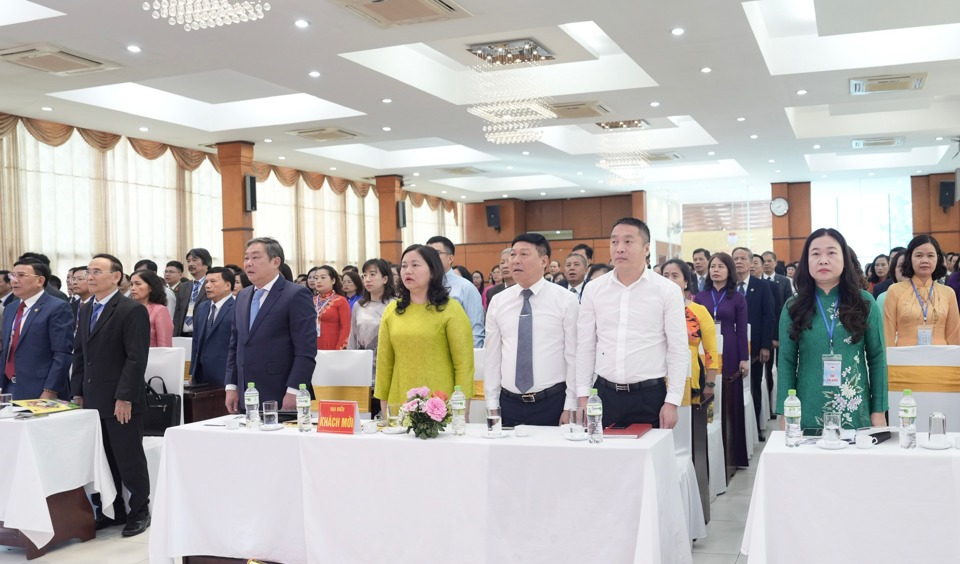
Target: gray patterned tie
[525,345]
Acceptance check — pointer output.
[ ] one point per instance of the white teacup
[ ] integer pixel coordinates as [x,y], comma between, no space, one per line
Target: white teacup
[522,430]
[866,441]
[233,424]
[369,426]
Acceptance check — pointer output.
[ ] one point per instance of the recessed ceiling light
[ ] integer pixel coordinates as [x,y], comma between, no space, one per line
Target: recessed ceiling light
[385,128]
[939,138]
[801,92]
[505,196]
[583,191]
[443,191]
[525,153]
[333,168]
[282,158]
[678,31]
[777,171]
[268,140]
[706,70]
[144,129]
[301,23]
[412,185]
[711,153]
[314,74]
[579,173]
[771,161]
[416,174]
[543,193]
[654,104]
[599,181]
[817,146]
[463,197]
[870,174]
[509,167]
[919,171]
[47,109]
[133,49]
[754,136]
[741,119]
[386,100]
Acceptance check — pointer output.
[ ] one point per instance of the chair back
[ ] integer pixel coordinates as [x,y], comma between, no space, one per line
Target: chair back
[167,363]
[344,376]
[932,374]
[185,343]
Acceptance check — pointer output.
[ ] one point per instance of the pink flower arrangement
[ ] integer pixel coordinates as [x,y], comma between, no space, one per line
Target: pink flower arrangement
[425,413]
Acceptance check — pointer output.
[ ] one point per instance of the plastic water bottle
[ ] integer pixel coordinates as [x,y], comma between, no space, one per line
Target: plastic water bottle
[791,415]
[458,404]
[251,403]
[303,409]
[908,420]
[594,417]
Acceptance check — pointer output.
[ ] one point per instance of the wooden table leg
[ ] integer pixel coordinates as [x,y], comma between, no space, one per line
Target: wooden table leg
[72,518]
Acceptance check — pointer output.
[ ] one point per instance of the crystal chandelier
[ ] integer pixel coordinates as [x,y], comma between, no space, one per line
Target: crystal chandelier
[203,14]
[623,157]
[511,114]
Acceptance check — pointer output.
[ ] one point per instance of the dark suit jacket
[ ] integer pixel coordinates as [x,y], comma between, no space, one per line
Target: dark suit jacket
[110,361]
[183,301]
[782,291]
[44,349]
[760,315]
[208,359]
[56,293]
[280,350]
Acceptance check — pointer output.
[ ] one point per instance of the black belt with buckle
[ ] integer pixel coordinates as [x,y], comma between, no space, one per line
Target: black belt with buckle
[628,388]
[539,396]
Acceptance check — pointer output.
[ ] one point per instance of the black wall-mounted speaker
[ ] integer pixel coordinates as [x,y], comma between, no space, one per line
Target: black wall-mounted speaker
[948,194]
[401,215]
[493,217]
[249,193]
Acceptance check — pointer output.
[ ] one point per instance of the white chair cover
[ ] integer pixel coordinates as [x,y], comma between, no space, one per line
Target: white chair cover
[936,357]
[715,454]
[353,368]
[167,363]
[689,490]
[185,343]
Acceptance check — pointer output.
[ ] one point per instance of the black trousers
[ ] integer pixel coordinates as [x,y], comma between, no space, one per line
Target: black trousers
[128,464]
[544,412]
[756,390]
[768,372]
[640,406]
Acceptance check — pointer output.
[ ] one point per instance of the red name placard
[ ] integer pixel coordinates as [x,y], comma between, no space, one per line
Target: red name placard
[337,417]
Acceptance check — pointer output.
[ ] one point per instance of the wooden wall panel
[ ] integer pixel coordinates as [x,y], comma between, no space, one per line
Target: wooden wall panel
[929,217]
[545,215]
[791,230]
[920,197]
[583,216]
[613,208]
[940,221]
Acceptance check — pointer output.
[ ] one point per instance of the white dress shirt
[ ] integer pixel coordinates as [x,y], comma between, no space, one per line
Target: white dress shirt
[629,334]
[555,312]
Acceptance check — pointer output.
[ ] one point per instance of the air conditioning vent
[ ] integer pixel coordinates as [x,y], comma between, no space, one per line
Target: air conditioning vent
[887,83]
[663,157]
[404,12]
[877,142]
[53,60]
[463,170]
[325,134]
[571,110]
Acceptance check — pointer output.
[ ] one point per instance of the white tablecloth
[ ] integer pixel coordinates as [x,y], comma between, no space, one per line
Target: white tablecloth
[399,499]
[45,456]
[880,505]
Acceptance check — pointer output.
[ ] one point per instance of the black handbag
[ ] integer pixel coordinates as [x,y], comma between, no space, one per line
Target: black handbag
[163,410]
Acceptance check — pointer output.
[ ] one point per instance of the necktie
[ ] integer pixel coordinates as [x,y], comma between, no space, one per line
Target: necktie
[9,367]
[210,320]
[741,289]
[97,308]
[525,345]
[700,285]
[255,305]
[572,289]
[194,294]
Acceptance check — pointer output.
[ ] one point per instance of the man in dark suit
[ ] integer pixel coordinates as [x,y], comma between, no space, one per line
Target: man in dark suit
[81,292]
[6,292]
[189,296]
[783,291]
[760,316]
[52,290]
[37,337]
[208,359]
[110,359]
[274,337]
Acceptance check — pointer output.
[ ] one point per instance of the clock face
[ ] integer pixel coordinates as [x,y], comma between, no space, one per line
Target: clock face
[779,207]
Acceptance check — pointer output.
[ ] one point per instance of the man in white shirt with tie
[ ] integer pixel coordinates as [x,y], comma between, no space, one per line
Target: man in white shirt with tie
[632,336]
[531,342]
[575,269]
[701,258]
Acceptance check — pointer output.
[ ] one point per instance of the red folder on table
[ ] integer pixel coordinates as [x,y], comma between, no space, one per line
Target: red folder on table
[634,431]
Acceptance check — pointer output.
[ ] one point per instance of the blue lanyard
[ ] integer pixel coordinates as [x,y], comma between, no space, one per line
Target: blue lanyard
[833,320]
[923,306]
[716,304]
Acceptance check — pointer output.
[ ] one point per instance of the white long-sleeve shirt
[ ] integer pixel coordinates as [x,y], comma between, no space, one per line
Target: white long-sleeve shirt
[628,334]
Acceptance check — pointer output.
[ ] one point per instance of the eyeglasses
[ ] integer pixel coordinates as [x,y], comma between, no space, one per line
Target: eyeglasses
[95,272]
[16,275]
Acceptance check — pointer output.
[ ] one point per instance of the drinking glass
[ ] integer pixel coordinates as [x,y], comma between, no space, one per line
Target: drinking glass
[270,418]
[576,424]
[494,423]
[393,415]
[6,406]
[831,427]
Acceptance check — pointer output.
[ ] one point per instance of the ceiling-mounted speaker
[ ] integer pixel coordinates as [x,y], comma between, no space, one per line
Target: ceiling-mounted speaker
[493,217]
[948,195]
[249,193]
[401,215]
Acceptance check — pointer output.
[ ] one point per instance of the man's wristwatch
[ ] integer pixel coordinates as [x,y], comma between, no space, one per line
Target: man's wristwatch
[711,384]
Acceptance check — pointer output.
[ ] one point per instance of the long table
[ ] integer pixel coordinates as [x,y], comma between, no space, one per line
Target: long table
[357,498]
[49,465]
[885,504]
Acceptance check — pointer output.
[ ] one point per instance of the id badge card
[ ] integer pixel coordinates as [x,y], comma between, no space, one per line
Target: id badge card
[318,329]
[718,326]
[190,309]
[832,368]
[924,335]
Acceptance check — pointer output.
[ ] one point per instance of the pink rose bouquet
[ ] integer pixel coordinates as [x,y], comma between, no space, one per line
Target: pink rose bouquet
[425,413]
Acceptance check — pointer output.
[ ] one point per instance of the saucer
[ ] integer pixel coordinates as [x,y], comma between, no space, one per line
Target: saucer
[934,446]
[489,436]
[836,446]
[393,430]
[276,427]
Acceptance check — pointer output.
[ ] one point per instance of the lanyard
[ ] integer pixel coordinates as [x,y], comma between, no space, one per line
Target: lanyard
[716,304]
[321,305]
[923,306]
[833,320]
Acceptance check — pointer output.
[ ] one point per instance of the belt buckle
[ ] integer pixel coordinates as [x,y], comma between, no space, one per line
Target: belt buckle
[528,398]
[622,387]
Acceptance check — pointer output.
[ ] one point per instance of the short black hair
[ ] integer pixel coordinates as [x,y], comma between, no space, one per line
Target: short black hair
[447,243]
[771,253]
[706,253]
[202,254]
[587,249]
[228,274]
[686,272]
[145,264]
[176,264]
[348,268]
[6,275]
[115,264]
[634,222]
[286,272]
[536,239]
[54,281]
[735,249]
[595,268]
[38,267]
[938,272]
[35,256]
